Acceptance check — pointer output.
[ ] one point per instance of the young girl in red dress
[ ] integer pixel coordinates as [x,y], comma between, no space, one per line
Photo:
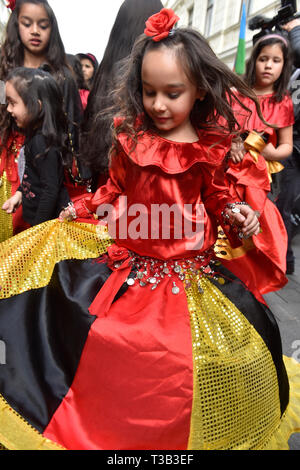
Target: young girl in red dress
[33,40]
[152,345]
[250,174]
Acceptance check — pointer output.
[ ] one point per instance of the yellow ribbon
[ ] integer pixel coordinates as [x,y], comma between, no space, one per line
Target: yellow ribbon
[254,144]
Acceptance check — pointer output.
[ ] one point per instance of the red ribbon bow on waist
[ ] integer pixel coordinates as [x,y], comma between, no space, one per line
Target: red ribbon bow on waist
[119,261]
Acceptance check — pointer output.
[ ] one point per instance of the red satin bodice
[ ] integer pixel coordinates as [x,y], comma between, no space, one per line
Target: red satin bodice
[162,172]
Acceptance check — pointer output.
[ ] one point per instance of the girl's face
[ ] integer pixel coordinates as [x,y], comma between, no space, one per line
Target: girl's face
[16,106]
[168,94]
[269,65]
[34,28]
[87,69]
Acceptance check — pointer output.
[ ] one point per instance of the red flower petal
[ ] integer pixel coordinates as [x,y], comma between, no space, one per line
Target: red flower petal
[159,25]
[11,4]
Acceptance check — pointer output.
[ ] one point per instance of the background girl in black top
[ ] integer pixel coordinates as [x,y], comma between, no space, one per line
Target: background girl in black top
[34,101]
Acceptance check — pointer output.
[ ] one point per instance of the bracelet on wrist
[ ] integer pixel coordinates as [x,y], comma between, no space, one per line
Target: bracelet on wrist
[71,210]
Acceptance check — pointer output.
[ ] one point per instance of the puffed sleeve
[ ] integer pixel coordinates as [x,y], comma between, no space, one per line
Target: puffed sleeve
[108,193]
[216,196]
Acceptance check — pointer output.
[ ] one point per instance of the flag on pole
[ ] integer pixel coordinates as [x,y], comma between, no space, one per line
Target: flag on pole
[240,60]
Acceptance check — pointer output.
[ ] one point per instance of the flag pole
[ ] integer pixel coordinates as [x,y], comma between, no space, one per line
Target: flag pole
[240,60]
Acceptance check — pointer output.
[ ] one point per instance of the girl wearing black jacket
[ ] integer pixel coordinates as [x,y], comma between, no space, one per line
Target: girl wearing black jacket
[34,101]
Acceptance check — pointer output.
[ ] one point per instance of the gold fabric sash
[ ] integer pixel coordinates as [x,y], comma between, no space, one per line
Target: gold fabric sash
[254,144]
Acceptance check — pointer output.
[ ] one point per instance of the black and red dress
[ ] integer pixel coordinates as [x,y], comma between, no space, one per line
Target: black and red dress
[137,342]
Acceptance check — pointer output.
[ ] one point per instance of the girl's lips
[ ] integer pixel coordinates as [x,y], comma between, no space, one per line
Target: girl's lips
[161,119]
[35,42]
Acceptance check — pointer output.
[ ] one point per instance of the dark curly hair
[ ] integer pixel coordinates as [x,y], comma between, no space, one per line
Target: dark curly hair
[202,67]
[12,50]
[43,100]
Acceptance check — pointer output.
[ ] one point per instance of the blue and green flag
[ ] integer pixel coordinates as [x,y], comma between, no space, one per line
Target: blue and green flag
[240,60]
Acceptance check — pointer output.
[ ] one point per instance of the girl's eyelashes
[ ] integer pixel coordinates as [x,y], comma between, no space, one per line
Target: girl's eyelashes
[41,25]
[172,96]
[264,59]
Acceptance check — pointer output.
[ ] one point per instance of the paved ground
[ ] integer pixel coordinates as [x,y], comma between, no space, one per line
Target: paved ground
[285,304]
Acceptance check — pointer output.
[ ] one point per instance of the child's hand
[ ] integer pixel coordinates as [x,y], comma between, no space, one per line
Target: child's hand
[237,151]
[244,218]
[68,214]
[12,204]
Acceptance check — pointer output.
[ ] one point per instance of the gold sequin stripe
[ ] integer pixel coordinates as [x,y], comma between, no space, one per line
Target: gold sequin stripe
[6,221]
[290,421]
[17,434]
[28,259]
[236,396]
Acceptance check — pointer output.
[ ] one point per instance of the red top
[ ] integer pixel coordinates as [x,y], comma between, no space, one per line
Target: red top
[158,171]
[84,95]
[9,156]
[281,114]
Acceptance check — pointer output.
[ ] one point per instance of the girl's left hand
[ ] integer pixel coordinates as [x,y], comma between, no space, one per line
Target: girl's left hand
[245,218]
[68,214]
[237,150]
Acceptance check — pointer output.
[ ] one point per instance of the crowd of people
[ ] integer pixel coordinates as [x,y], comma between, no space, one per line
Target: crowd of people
[122,330]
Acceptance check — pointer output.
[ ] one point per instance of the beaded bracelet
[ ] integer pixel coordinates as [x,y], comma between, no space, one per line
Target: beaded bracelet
[71,210]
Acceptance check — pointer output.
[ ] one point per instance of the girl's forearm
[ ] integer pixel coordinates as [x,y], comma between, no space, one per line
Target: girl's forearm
[282,152]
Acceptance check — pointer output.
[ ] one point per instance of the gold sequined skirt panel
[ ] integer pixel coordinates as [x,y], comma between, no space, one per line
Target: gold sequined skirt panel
[236,397]
[6,222]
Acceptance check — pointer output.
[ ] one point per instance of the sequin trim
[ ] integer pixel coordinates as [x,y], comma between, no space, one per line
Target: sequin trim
[150,272]
[236,397]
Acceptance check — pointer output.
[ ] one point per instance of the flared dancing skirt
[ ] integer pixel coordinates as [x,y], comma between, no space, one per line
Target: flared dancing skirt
[99,352]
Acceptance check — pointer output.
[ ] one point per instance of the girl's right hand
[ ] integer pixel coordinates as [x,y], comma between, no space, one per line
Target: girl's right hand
[12,204]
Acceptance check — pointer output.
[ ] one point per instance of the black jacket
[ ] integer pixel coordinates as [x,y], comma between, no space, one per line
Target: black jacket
[294,37]
[43,192]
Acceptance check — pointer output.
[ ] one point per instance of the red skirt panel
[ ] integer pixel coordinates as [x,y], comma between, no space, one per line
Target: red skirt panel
[155,395]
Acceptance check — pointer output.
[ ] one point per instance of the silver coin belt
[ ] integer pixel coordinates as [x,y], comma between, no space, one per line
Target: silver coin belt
[150,272]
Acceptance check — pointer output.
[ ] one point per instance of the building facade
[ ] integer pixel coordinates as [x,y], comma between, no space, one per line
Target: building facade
[4,14]
[219,21]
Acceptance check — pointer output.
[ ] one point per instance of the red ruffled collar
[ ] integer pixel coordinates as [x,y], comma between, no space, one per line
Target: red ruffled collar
[175,157]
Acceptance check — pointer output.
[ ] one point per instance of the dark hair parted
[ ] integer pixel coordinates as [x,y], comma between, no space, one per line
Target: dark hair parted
[281,84]
[128,26]
[43,100]
[75,64]
[12,50]
[203,69]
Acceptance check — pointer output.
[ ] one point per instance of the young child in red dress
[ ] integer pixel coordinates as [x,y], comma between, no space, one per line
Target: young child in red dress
[154,345]
[262,262]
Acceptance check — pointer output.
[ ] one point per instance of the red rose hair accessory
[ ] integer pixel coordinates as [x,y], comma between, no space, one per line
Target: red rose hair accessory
[11,4]
[159,26]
